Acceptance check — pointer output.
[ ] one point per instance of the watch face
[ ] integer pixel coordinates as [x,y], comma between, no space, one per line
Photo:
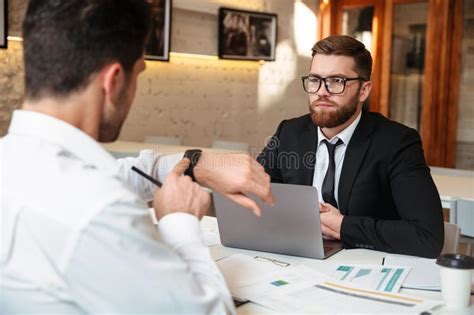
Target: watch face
[193,156]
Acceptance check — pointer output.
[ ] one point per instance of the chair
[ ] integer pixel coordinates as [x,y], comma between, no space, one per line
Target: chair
[465,219]
[231,145]
[163,140]
[451,238]
[465,216]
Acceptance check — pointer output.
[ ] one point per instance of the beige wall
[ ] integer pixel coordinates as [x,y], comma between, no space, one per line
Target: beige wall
[11,66]
[203,100]
[200,99]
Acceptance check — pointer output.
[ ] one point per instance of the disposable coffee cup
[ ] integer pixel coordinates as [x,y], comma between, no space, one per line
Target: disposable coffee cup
[456,275]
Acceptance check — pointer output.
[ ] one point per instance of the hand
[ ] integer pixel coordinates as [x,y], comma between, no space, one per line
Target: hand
[331,221]
[180,194]
[234,176]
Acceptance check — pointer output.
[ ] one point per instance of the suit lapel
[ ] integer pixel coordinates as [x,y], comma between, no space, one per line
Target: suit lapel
[355,153]
[307,153]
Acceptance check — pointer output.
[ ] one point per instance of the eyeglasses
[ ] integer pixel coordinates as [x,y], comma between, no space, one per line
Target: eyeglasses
[334,85]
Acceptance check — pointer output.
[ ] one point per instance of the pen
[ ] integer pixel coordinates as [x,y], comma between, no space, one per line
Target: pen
[151,179]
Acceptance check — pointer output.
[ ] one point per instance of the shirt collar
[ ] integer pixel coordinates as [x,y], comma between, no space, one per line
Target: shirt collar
[59,132]
[345,135]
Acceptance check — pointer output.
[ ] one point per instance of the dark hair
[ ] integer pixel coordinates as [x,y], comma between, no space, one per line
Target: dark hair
[343,45]
[67,41]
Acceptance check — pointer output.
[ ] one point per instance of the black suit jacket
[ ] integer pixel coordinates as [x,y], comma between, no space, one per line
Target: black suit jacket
[386,193]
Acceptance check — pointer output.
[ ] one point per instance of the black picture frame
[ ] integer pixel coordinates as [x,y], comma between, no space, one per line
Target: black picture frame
[3,23]
[158,44]
[247,35]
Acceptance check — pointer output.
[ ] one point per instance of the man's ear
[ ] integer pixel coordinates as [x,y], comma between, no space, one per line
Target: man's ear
[365,91]
[113,81]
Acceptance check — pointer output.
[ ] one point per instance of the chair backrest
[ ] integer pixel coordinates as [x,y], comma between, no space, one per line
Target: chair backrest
[465,216]
[451,238]
[231,145]
[163,140]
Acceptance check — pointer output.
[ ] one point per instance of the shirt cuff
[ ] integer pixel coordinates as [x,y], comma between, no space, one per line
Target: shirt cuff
[180,228]
[165,164]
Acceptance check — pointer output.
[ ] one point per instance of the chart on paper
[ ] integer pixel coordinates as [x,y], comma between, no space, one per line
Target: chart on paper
[348,299]
[380,278]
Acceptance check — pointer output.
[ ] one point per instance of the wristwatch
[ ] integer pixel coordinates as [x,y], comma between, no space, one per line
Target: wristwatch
[193,155]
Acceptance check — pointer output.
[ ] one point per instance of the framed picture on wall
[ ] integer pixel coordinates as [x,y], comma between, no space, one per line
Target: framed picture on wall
[3,23]
[158,45]
[247,35]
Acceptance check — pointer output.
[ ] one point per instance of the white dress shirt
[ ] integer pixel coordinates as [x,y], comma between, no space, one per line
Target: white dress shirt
[76,238]
[322,157]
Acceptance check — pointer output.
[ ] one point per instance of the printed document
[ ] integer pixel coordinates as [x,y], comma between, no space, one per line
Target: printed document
[373,277]
[331,296]
[424,275]
[302,289]
[247,276]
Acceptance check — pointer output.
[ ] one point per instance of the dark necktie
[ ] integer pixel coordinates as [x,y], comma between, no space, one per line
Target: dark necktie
[327,190]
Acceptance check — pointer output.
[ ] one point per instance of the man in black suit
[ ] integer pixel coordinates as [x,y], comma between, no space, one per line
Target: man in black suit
[370,172]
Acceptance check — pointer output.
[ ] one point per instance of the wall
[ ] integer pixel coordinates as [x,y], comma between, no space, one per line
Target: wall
[198,98]
[11,66]
[202,100]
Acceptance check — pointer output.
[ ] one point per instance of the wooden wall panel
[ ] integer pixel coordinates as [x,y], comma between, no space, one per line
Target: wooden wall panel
[454,83]
[439,87]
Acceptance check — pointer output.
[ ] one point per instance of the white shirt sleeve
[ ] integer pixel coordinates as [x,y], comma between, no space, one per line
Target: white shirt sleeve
[150,162]
[123,265]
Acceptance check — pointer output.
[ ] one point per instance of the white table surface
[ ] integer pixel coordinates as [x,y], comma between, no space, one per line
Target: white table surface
[454,186]
[136,147]
[352,256]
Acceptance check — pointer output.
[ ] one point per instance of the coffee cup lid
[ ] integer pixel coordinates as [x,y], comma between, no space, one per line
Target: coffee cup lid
[457,261]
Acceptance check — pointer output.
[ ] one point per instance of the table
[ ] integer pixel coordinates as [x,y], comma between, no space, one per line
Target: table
[352,256]
[130,148]
[453,184]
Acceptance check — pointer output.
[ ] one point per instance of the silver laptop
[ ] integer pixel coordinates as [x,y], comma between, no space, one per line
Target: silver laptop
[291,227]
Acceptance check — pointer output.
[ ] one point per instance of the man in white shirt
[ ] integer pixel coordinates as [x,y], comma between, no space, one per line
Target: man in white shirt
[76,234]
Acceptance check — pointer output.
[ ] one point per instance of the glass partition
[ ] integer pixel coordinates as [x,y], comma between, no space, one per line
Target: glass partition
[465,125]
[407,68]
[357,22]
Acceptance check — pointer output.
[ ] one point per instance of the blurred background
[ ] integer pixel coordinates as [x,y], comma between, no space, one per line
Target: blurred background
[423,73]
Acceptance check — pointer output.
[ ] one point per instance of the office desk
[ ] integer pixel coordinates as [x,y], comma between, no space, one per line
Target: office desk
[453,184]
[130,148]
[352,256]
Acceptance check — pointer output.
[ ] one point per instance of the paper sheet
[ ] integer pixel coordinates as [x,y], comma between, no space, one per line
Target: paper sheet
[301,289]
[247,277]
[210,231]
[211,237]
[373,277]
[424,275]
[328,297]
